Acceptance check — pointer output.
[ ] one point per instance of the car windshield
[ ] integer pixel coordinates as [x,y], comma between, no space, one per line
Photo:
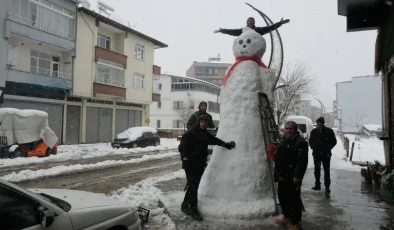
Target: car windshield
[302,127]
[59,202]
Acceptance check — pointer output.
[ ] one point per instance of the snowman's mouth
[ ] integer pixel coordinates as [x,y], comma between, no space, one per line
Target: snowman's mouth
[244,52]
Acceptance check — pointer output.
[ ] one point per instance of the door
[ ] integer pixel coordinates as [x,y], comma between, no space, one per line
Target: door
[55,112]
[98,125]
[92,121]
[55,66]
[121,120]
[73,124]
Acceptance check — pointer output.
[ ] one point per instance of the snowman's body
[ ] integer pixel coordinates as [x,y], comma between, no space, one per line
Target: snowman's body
[237,183]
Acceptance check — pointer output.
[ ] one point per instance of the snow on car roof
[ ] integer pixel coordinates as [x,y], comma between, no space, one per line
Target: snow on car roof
[23,112]
[133,133]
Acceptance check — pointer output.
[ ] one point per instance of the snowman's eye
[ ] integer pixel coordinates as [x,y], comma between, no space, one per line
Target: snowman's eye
[241,41]
[249,41]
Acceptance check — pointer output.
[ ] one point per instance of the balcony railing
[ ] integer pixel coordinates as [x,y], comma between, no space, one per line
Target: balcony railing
[109,81]
[48,29]
[156,90]
[40,71]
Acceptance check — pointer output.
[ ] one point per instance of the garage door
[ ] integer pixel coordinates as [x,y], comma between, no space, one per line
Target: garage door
[98,125]
[55,112]
[73,123]
[126,119]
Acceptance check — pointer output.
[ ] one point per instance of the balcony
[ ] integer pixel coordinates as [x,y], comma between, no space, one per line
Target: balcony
[109,87]
[37,76]
[156,70]
[22,27]
[109,55]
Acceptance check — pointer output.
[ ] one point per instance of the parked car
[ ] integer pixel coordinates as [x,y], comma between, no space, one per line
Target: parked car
[58,209]
[137,137]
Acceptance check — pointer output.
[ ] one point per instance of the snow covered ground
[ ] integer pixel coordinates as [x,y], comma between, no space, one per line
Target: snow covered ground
[366,149]
[85,151]
[26,175]
[145,194]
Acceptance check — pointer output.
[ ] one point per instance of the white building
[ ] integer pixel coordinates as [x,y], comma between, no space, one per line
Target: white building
[303,108]
[358,102]
[180,97]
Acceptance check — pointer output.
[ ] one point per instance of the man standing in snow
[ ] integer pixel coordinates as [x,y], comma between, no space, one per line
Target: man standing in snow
[322,140]
[291,161]
[202,110]
[250,22]
[194,153]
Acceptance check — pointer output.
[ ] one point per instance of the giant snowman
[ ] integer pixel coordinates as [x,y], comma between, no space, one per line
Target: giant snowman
[237,183]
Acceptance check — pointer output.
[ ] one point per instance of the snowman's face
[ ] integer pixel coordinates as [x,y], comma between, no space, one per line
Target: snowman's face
[249,44]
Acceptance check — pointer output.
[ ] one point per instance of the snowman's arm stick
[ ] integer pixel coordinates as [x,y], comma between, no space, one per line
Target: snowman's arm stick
[232,32]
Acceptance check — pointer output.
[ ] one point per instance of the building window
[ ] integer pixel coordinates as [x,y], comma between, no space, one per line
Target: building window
[139,51]
[159,86]
[191,104]
[159,104]
[43,15]
[213,107]
[216,71]
[158,125]
[110,73]
[138,81]
[104,41]
[177,124]
[44,63]
[177,104]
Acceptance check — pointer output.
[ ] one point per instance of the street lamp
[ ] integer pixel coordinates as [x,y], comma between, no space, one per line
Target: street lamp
[323,109]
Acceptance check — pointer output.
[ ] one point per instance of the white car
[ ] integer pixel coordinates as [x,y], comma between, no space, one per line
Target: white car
[60,209]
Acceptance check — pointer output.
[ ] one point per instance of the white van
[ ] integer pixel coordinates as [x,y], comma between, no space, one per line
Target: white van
[305,125]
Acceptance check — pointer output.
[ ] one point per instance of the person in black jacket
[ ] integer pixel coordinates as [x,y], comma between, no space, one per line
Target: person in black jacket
[291,162]
[194,154]
[202,110]
[251,24]
[321,141]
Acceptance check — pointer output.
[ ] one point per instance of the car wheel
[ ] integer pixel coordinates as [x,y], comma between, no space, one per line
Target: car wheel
[19,152]
[135,146]
[157,143]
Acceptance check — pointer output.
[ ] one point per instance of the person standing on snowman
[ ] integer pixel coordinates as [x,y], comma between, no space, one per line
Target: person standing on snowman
[250,22]
[194,154]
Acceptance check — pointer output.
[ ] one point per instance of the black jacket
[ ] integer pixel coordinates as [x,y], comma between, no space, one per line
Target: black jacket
[194,146]
[260,30]
[322,141]
[194,118]
[291,158]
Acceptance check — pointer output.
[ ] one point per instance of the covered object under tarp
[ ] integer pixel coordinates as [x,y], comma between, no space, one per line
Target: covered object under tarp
[25,126]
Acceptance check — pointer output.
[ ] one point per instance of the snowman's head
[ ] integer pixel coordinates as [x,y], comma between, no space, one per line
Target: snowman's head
[249,44]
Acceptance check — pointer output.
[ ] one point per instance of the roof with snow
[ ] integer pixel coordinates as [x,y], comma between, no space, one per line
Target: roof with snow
[193,79]
[211,64]
[120,26]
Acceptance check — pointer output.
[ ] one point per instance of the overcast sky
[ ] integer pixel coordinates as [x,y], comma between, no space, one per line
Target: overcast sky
[315,35]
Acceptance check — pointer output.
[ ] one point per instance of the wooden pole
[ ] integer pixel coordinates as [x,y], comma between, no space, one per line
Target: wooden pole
[351,153]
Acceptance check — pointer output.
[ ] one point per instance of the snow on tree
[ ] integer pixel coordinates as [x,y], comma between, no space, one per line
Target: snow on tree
[297,82]
[184,110]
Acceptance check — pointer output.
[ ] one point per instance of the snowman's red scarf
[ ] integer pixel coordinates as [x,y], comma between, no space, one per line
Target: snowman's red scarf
[239,60]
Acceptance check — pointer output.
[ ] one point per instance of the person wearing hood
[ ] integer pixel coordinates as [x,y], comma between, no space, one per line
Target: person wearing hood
[250,22]
[194,153]
[202,110]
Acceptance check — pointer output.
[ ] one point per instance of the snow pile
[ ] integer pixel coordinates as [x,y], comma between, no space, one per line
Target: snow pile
[26,175]
[133,133]
[374,128]
[145,194]
[93,6]
[87,151]
[366,149]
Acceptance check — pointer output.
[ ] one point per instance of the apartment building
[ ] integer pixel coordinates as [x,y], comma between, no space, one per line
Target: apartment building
[212,71]
[113,83]
[180,97]
[37,55]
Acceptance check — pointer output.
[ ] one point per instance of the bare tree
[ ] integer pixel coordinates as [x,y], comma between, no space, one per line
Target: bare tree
[184,112]
[296,83]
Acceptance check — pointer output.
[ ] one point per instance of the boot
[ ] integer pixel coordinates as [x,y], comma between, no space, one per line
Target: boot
[296,226]
[328,189]
[317,187]
[196,214]
[283,221]
[185,208]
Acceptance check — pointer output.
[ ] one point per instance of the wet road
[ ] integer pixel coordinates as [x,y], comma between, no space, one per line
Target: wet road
[351,205]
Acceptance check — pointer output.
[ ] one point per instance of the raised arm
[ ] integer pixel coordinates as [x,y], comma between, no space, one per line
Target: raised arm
[232,32]
[268,29]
